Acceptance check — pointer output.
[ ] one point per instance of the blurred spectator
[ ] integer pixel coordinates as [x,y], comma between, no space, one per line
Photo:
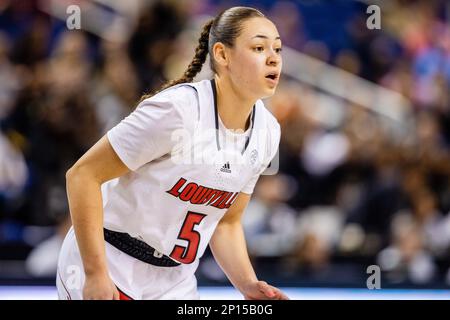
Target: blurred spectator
[115,90]
[10,81]
[288,19]
[318,233]
[269,223]
[407,258]
[153,41]
[13,170]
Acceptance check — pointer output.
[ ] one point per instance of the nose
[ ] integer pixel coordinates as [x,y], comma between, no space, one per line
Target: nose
[273,58]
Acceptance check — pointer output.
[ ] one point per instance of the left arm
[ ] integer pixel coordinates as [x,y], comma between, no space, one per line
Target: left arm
[230,251]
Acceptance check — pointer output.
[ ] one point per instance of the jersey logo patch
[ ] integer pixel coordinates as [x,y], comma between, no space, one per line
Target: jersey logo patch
[226,168]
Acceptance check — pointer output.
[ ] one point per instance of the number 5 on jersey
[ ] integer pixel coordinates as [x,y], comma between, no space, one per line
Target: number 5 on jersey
[187,254]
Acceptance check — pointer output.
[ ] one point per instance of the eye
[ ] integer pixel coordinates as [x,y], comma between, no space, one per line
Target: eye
[278,50]
[259,49]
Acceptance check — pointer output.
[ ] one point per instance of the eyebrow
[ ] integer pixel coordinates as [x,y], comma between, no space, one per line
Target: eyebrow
[265,37]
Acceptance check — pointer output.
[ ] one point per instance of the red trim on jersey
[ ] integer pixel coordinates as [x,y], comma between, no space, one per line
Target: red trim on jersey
[123,296]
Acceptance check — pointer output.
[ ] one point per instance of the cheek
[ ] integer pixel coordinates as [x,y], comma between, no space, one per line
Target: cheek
[247,68]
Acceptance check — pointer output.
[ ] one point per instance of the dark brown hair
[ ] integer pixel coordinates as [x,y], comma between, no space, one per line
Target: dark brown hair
[224,28]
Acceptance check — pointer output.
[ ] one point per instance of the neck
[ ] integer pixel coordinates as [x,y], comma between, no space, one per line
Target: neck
[234,108]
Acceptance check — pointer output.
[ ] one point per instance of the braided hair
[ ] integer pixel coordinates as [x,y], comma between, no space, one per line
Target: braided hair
[224,28]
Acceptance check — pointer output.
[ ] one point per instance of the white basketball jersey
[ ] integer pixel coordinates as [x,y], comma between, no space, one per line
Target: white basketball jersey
[185,174]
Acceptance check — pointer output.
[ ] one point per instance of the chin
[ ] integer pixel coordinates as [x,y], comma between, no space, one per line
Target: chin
[268,93]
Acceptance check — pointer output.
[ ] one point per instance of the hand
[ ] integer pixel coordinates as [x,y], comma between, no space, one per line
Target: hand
[100,287]
[260,290]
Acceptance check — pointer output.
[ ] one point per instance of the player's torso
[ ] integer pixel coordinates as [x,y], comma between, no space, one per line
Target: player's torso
[169,200]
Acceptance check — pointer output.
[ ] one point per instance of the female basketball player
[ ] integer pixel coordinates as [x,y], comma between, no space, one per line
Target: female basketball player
[141,220]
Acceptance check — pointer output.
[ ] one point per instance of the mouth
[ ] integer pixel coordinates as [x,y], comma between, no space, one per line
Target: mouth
[273,76]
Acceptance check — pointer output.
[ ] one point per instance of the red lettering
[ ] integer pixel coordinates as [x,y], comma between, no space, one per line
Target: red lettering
[206,195]
[212,194]
[222,200]
[231,200]
[176,188]
[188,191]
[216,196]
[198,195]
[202,195]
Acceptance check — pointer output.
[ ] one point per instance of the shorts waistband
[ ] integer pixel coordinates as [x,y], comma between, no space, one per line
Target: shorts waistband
[137,249]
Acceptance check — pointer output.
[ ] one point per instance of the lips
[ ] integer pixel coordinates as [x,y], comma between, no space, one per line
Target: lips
[272,78]
[272,75]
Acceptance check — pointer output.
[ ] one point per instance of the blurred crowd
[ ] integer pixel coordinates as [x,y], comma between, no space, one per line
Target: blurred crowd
[348,195]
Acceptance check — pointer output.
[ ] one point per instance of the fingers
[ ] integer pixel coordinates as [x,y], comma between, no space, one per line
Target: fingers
[271,292]
[280,295]
[266,289]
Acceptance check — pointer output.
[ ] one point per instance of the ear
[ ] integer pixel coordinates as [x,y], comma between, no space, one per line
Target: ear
[220,53]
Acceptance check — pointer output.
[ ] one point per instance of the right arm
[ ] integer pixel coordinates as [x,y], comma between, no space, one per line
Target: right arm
[98,165]
[144,135]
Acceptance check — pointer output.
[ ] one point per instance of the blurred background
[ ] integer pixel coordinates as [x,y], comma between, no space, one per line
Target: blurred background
[364,152]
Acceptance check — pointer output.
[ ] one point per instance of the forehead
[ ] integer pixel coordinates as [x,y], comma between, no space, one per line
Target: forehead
[258,27]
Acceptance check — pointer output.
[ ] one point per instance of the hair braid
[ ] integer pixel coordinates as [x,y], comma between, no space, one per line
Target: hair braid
[224,28]
[196,64]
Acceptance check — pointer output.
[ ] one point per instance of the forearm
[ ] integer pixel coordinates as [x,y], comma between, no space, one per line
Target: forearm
[230,251]
[86,209]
